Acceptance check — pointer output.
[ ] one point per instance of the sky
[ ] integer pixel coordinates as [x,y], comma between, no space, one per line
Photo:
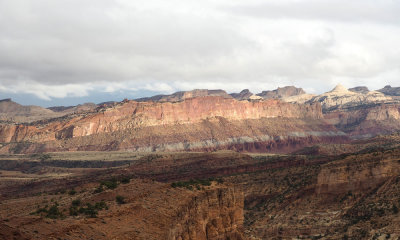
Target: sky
[66,52]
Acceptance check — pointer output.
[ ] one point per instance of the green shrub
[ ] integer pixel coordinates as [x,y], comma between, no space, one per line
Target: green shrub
[72,192]
[76,202]
[41,210]
[395,209]
[110,184]
[73,211]
[120,199]
[54,212]
[44,157]
[199,182]
[100,205]
[99,189]
[89,211]
[125,180]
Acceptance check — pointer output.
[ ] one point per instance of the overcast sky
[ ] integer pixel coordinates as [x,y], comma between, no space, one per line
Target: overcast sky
[59,52]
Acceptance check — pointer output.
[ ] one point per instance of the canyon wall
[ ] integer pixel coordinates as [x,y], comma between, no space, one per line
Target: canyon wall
[366,121]
[131,115]
[203,123]
[358,172]
[214,215]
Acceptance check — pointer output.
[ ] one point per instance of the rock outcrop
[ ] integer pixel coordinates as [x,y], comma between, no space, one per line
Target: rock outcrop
[390,91]
[215,214]
[180,96]
[194,124]
[357,173]
[14,112]
[360,115]
[341,98]
[366,121]
[281,92]
[244,94]
[151,210]
[302,98]
[360,89]
[74,109]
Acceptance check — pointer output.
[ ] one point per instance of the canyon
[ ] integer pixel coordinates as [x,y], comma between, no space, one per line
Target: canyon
[205,120]
[204,164]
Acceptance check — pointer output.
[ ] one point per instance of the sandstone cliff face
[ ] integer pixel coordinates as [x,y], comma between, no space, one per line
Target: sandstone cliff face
[245,95]
[86,107]
[152,210]
[196,123]
[360,89]
[302,98]
[342,98]
[390,91]
[133,115]
[215,214]
[282,92]
[357,173]
[180,96]
[366,121]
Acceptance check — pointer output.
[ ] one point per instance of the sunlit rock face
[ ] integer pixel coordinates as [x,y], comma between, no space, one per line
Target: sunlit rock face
[280,93]
[197,121]
[201,123]
[340,97]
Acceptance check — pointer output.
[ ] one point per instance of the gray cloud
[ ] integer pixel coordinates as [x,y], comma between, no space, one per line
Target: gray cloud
[377,12]
[70,48]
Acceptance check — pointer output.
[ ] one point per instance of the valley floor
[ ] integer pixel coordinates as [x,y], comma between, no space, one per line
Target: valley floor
[348,191]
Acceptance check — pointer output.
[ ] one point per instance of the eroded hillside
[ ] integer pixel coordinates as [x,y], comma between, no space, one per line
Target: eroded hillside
[220,195]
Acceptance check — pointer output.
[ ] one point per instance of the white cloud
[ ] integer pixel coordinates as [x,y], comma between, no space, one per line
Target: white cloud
[46,92]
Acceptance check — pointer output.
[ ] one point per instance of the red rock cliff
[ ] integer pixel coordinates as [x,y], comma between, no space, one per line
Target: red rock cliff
[133,114]
[196,123]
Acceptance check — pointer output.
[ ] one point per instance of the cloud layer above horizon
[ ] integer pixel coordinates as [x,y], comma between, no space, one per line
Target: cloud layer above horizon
[73,48]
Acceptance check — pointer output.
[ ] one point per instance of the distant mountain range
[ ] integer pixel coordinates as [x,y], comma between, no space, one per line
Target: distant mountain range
[280,120]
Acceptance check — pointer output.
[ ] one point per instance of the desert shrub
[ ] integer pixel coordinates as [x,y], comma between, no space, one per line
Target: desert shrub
[54,212]
[41,156]
[76,202]
[120,199]
[110,184]
[41,210]
[125,180]
[99,189]
[72,192]
[395,209]
[189,184]
[73,211]
[44,157]
[100,205]
[88,210]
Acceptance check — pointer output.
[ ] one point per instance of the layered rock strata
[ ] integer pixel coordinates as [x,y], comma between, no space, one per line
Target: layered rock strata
[193,124]
[183,95]
[280,93]
[358,172]
[342,98]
